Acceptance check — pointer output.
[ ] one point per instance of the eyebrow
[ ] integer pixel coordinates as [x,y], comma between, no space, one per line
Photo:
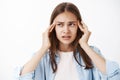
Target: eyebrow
[68,22]
[72,22]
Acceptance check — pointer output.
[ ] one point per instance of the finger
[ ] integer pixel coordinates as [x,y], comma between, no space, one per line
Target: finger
[80,26]
[84,25]
[51,27]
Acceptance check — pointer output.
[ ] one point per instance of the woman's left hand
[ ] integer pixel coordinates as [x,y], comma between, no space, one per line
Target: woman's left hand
[86,33]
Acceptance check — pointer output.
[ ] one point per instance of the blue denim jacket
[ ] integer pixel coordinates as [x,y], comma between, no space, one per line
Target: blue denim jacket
[44,70]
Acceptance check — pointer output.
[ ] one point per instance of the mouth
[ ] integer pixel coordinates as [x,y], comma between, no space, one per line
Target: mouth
[66,37]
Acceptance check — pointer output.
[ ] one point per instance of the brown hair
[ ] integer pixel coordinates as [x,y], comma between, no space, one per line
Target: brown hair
[62,7]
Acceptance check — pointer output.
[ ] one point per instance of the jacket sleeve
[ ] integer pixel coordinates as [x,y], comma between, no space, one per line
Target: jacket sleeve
[112,69]
[28,76]
[37,74]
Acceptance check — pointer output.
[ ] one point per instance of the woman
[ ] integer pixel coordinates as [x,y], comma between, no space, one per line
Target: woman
[65,53]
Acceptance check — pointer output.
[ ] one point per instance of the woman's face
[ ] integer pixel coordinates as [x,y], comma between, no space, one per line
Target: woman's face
[66,27]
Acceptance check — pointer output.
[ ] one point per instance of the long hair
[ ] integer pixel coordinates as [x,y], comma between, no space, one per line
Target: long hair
[62,7]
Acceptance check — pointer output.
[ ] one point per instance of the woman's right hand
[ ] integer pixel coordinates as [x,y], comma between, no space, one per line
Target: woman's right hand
[45,37]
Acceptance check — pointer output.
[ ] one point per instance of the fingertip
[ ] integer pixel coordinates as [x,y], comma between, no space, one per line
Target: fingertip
[54,22]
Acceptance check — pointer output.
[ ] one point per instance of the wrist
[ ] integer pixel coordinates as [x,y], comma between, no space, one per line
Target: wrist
[83,45]
[44,49]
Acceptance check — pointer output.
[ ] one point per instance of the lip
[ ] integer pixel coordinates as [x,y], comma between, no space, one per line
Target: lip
[66,37]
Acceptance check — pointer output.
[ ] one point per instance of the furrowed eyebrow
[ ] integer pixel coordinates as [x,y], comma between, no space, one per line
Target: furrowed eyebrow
[68,22]
[59,22]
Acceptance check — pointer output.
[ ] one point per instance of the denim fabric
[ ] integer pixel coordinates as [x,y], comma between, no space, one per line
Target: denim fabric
[44,70]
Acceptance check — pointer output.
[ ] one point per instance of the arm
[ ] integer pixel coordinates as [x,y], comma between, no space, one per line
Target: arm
[32,64]
[110,70]
[96,58]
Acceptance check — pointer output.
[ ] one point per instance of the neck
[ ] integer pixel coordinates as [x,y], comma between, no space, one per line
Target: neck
[65,48]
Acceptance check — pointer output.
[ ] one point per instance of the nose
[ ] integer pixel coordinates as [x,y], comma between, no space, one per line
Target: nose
[66,29]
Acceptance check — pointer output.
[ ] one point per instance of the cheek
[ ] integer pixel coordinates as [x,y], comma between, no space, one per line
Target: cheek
[56,31]
[74,31]
[75,34]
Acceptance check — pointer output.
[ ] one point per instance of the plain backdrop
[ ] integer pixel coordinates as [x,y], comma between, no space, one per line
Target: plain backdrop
[22,23]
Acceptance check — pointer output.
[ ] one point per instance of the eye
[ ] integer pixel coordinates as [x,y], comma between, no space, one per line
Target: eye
[72,24]
[59,24]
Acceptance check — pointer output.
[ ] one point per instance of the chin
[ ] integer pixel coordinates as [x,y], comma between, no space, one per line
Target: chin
[66,42]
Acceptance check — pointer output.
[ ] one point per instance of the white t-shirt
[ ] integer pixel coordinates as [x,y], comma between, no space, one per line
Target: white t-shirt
[66,69]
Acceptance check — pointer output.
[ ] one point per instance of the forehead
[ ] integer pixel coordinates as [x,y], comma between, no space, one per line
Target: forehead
[66,17]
